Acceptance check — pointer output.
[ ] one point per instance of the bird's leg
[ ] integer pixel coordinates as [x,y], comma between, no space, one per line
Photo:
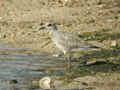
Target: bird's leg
[68,59]
[68,73]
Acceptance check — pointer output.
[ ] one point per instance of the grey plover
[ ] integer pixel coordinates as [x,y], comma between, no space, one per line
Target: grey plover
[65,41]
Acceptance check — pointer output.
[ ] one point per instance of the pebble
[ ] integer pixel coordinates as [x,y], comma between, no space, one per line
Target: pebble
[113,43]
[45,82]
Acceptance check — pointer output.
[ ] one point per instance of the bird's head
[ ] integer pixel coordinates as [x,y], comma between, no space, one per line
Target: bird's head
[50,26]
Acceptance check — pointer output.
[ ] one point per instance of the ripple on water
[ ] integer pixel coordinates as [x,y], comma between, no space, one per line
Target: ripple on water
[24,68]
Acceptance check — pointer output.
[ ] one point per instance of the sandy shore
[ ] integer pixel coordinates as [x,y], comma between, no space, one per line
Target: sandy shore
[20,20]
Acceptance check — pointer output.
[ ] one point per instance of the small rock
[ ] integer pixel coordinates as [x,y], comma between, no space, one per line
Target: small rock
[113,43]
[91,62]
[45,82]
[50,82]
[12,81]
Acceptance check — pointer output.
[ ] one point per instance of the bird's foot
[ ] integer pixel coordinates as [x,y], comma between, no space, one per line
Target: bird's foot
[68,68]
[68,62]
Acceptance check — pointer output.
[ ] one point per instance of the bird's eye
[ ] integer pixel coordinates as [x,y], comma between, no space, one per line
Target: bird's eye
[49,25]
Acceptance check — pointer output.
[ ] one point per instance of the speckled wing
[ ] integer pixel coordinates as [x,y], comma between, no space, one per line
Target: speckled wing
[70,41]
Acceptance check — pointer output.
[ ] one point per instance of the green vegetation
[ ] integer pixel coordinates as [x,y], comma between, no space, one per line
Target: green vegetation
[100,35]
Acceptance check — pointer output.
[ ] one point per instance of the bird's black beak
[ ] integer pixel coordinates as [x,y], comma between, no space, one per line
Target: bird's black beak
[41,28]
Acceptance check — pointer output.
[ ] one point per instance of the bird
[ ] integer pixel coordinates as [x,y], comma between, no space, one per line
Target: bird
[66,42]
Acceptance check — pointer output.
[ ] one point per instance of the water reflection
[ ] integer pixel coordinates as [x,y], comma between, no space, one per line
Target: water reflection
[17,70]
[20,67]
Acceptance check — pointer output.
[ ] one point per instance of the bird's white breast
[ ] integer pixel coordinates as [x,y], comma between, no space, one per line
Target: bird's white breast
[56,40]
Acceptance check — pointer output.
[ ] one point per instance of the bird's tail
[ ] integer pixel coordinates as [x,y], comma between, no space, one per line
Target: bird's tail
[94,47]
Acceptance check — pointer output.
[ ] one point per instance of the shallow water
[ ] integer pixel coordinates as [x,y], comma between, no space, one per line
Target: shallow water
[19,69]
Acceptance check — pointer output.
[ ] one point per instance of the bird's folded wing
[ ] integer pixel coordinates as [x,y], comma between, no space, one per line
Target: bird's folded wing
[72,41]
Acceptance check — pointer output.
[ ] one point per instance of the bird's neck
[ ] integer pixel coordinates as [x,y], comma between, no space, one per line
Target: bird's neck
[55,28]
[52,31]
